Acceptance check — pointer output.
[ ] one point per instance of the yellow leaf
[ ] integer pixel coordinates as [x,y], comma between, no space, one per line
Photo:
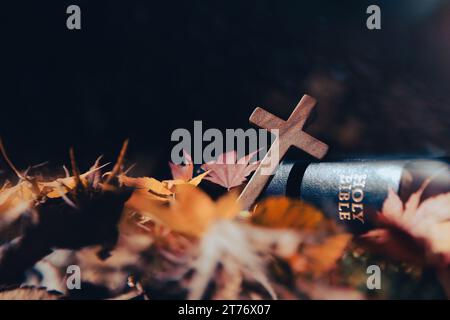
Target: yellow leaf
[60,186]
[192,211]
[196,180]
[149,190]
[15,200]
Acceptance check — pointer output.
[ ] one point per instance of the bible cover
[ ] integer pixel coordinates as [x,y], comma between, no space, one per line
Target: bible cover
[350,192]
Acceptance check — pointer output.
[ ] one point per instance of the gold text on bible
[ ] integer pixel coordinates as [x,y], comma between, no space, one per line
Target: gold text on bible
[351,196]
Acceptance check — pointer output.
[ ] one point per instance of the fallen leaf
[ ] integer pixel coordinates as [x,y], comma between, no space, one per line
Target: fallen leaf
[229,254]
[192,211]
[227,171]
[414,232]
[29,294]
[16,200]
[322,247]
[180,172]
[85,217]
[149,190]
[283,212]
[169,184]
[61,186]
[227,248]
[319,259]
[394,243]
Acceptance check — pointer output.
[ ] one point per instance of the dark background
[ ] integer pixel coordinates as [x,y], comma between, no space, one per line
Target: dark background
[141,69]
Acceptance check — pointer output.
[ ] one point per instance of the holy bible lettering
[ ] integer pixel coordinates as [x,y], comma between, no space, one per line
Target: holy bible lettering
[351,196]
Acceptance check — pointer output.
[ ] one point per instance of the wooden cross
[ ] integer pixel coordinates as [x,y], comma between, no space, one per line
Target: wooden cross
[289,134]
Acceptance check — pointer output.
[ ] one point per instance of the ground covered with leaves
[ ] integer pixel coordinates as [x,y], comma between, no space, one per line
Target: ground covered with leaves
[141,238]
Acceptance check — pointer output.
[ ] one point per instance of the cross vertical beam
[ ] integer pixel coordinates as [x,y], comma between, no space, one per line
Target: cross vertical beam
[288,133]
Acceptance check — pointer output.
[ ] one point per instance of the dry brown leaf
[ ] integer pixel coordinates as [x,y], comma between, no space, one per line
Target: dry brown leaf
[16,199]
[283,212]
[61,186]
[322,247]
[28,294]
[149,190]
[415,232]
[169,184]
[319,259]
[192,211]
[227,248]
[394,243]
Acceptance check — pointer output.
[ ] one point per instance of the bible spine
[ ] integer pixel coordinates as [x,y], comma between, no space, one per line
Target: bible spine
[352,192]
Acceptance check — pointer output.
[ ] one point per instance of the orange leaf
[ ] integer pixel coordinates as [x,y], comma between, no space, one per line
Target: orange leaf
[17,199]
[318,259]
[192,211]
[283,212]
[60,186]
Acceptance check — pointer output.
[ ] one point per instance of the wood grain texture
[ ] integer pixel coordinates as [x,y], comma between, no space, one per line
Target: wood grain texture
[290,133]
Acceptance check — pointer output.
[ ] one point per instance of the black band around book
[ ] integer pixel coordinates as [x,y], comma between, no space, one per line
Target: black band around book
[352,192]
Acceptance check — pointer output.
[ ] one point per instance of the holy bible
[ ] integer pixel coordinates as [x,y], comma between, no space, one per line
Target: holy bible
[351,192]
